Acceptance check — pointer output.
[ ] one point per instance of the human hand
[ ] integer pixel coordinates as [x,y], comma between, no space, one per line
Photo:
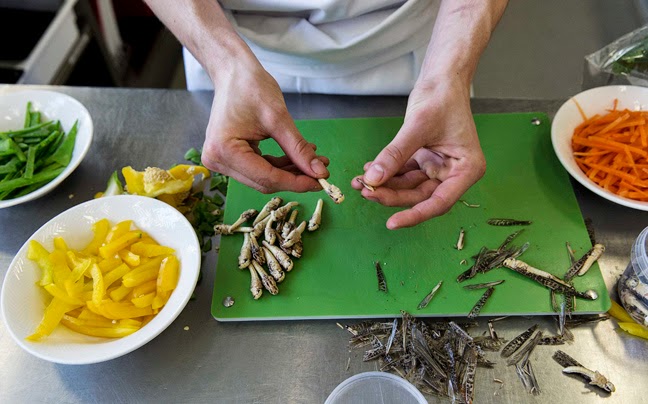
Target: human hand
[249,107]
[433,159]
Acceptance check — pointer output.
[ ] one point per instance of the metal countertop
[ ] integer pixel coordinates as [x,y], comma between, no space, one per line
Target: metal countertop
[287,362]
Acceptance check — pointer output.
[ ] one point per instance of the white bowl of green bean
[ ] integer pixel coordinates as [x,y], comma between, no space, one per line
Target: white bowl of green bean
[44,136]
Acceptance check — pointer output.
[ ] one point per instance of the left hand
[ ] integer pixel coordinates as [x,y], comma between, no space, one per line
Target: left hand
[433,159]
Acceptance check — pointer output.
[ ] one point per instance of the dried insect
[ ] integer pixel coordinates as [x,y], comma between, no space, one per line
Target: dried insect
[282,212]
[273,265]
[271,205]
[268,282]
[382,283]
[546,279]
[571,365]
[579,265]
[256,287]
[364,184]
[289,225]
[294,236]
[508,222]
[246,253]
[331,190]
[510,348]
[392,336]
[460,241]
[283,258]
[316,219]
[480,303]
[483,285]
[524,371]
[426,300]
[226,229]
[257,254]
[594,377]
[270,234]
[525,349]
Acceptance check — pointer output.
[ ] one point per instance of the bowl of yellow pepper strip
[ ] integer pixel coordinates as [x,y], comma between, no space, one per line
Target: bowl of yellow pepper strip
[101,279]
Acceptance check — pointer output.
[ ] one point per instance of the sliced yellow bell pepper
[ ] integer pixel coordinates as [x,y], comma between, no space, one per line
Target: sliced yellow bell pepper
[98,285]
[109,264]
[100,230]
[617,311]
[116,274]
[167,279]
[118,230]
[60,270]
[150,250]
[120,310]
[129,257]
[36,252]
[52,317]
[60,244]
[111,249]
[143,301]
[134,180]
[62,295]
[106,332]
[120,293]
[144,288]
[635,329]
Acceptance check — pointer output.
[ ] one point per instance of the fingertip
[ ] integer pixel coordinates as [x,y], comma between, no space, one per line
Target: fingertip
[318,167]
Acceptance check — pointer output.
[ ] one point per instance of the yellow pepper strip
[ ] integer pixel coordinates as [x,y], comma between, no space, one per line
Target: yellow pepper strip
[86,314]
[635,329]
[106,332]
[134,279]
[98,285]
[36,252]
[62,295]
[150,250]
[143,301]
[74,289]
[144,288]
[617,311]
[120,293]
[60,244]
[52,317]
[129,322]
[118,230]
[130,258]
[110,249]
[109,264]
[60,270]
[100,230]
[97,321]
[134,181]
[145,266]
[116,274]
[120,310]
[184,171]
[168,277]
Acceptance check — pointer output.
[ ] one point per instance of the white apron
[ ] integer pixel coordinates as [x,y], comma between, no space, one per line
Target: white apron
[363,47]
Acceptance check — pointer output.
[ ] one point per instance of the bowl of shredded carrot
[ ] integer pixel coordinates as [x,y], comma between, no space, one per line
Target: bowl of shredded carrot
[601,138]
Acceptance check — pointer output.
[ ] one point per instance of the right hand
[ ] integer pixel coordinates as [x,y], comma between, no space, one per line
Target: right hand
[249,107]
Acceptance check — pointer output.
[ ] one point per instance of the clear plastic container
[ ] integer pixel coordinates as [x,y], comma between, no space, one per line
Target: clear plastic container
[633,284]
[375,387]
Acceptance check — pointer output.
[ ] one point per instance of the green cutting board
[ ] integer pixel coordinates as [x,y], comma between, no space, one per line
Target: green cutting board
[336,277]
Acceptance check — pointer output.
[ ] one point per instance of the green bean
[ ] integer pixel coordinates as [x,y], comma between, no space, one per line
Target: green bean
[63,153]
[15,183]
[22,132]
[31,157]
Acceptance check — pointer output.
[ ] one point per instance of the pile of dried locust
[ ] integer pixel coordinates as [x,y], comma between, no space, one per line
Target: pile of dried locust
[282,239]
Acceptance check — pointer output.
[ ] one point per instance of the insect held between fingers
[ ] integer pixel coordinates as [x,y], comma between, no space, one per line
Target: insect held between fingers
[331,190]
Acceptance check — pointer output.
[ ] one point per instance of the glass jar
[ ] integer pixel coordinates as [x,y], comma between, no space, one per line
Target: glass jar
[633,284]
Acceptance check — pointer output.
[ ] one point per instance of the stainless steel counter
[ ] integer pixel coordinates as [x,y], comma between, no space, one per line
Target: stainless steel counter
[292,362]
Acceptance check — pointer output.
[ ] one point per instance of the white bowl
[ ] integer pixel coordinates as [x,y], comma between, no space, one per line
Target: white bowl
[54,106]
[23,301]
[594,101]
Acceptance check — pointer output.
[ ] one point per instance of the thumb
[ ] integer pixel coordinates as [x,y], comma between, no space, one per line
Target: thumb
[390,160]
[300,152]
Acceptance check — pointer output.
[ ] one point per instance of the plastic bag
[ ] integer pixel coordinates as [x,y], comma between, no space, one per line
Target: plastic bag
[624,61]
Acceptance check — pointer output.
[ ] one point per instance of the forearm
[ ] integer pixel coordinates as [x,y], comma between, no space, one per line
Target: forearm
[201,26]
[461,32]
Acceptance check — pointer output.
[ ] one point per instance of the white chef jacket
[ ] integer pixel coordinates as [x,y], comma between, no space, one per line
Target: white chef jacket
[363,47]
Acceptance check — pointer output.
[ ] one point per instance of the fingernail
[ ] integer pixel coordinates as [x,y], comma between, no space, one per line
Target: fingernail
[318,167]
[375,173]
